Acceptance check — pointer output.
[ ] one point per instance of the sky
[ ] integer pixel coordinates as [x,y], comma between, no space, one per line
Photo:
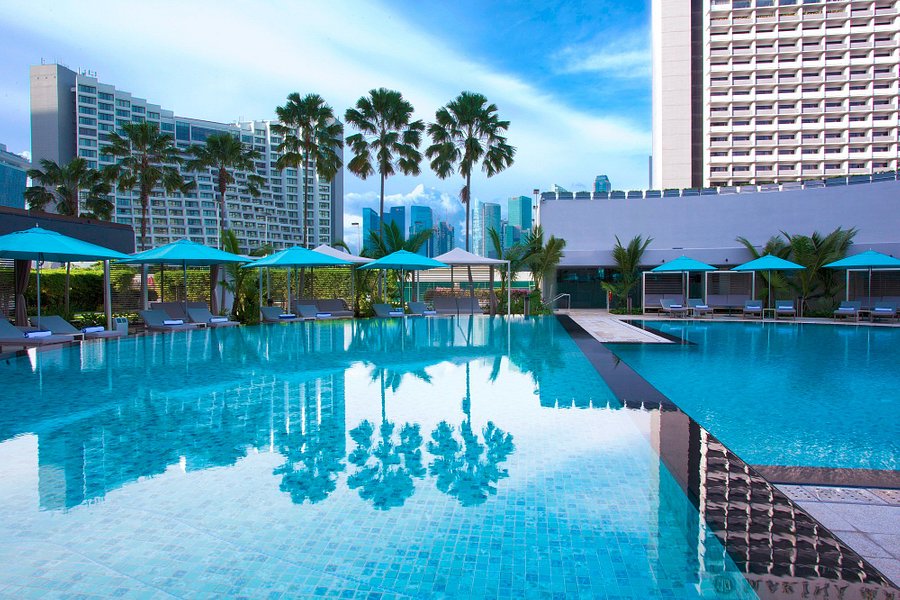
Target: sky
[573,78]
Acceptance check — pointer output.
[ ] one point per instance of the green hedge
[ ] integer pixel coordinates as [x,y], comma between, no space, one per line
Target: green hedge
[85,295]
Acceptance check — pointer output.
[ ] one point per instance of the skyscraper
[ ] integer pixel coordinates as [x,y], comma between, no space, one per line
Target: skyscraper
[518,210]
[443,238]
[602,184]
[73,114]
[754,91]
[397,215]
[485,218]
[421,218]
[12,178]
[370,224]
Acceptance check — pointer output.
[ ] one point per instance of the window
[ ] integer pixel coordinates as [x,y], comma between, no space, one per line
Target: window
[87,153]
[89,142]
[87,110]
[122,113]
[167,127]
[87,99]
[88,89]
[105,127]
[123,103]
[87,121]
[104,116]
[105,106]
[86,131]
[152,115]
[105,96]
[138,109]
[182,131]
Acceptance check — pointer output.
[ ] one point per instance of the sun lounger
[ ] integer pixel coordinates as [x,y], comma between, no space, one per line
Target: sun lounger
[420,309]
[884,310]
[59,326]
[753,308]
[848,309]
[785,308]
[16,338]
[311,313]
[699,307]
[158,320]
[673,308]
[202,315]
[445,305]
[273,314]
[386,311]
[335,306]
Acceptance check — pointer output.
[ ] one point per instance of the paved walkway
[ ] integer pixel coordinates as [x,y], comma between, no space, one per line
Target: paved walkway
[867,520]
[609,328]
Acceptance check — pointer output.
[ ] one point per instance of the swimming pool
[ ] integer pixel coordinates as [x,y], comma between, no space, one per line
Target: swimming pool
[454,457]
[783,393]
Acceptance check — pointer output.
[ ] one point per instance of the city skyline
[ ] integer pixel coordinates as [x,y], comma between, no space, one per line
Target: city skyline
[538,83]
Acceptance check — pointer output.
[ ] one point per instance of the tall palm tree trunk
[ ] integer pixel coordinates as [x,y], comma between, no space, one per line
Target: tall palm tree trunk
[68,271]
[468,189]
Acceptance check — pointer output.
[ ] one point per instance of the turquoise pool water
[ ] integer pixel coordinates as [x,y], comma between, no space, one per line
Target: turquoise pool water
[784,393]
[381,459]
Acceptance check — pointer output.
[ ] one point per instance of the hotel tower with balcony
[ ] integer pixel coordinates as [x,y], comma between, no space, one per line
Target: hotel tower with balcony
[773,91]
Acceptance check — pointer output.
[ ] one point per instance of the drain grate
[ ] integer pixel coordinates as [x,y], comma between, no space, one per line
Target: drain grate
[846,495]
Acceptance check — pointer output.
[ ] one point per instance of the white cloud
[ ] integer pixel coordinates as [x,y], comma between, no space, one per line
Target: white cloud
[212,61]
[627,56]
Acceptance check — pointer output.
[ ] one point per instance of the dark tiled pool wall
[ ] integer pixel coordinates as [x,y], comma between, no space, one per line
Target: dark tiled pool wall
[779,548]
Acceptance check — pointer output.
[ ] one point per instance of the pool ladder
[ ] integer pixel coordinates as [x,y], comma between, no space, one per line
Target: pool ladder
[559,297]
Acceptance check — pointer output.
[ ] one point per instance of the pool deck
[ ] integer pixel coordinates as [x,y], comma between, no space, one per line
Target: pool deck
[867,520]
[605,327]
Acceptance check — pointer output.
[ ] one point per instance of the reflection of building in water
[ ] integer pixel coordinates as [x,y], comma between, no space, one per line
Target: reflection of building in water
[141,437]
[780,549]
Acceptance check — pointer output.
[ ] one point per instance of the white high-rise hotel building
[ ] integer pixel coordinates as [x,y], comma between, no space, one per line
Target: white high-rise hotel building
[758,91]
[73,113]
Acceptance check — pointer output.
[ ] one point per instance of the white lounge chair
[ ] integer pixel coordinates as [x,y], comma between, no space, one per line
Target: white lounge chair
[386,311]
[884,310]
[753,308]
[273,314]
[420,309]
[202,315]
[699,307]
[848,309]
[785,308]
[18,338]
[59,326]
[673,308]
[159,320]
[312,313]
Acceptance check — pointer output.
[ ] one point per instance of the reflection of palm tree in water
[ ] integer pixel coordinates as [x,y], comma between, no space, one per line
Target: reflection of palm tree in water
[468,471]
[385,468]
[312,462]
[313,456]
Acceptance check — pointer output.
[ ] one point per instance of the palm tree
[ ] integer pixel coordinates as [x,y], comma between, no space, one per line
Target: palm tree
[385,131]
[63,184]
[225,154]
[149,159]
[628,261]
[311,137]
[467,132]
[814,252]
[543,257]
[515,254]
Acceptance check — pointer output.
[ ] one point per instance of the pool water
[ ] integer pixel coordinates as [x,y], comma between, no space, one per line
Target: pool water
[783,393]
[459,457]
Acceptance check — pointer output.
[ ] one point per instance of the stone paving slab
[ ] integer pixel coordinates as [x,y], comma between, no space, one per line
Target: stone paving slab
[867,520]
[609,328]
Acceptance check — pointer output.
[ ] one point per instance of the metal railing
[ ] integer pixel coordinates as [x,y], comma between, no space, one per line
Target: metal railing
[558,297]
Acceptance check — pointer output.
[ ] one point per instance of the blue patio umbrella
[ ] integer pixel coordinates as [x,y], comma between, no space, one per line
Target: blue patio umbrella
[184,253]
[403,260]
[869,260]
[40,244]
[683,265]
[295,257]
[769,263]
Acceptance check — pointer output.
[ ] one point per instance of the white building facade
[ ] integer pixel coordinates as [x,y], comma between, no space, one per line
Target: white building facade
[772,91]
[74,113]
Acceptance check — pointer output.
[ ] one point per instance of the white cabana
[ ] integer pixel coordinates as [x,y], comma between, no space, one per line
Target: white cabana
[459,257]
